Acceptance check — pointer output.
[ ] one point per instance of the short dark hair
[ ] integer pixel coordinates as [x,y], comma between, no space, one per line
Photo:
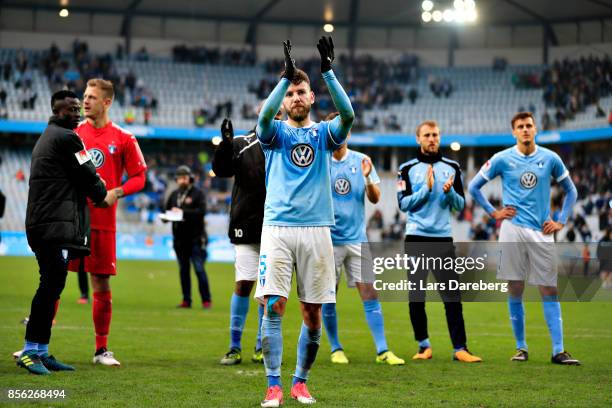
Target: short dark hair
[60,96]
[522,115]
[300,76]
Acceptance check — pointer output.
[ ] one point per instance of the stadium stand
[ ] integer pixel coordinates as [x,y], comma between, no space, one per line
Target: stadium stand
[463,100]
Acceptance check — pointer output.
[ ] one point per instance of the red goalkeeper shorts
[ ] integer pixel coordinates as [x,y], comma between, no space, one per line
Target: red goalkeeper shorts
[103,258]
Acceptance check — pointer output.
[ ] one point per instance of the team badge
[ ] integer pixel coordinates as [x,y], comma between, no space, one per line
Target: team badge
[353,170]
[529,180]
[97,157]
[342,186]
[302,155]
[112,148]
[541,164]
[82,157]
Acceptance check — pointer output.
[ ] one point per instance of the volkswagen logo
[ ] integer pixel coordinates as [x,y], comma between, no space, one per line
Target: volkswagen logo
[97,157]
[529,180]
[342,186]
[302,155]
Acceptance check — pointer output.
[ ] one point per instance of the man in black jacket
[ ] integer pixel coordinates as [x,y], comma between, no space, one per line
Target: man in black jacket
[62,177]
[241,157]
[189,235]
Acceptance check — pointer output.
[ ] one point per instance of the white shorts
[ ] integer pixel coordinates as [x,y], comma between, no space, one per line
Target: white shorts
[310,250]
[247,262]
[526,255]
[357,264]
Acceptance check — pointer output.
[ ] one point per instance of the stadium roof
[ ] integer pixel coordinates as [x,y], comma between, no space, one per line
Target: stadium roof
[340,12]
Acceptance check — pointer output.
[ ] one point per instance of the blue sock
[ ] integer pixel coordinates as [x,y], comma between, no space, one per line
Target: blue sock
[260,310]
[30,346]
[424,343]
[308,345]
[376,322]
[43,349]
[552,314]
[272,346]
[238,311]
[274,380]
[330,321]
[517,319]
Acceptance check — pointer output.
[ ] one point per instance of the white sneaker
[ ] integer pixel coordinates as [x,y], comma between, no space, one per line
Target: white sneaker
[17,354]
[107,358]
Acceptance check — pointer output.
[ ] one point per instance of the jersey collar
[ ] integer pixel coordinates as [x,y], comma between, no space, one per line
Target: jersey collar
[516,149]
[343,157]
[428,158]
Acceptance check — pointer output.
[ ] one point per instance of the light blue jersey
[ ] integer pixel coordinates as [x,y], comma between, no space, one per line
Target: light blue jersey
[526,182]
[298,162]
[348,191]
[428,212]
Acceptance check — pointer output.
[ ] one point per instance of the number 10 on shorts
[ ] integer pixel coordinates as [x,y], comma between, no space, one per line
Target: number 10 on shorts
[262,270]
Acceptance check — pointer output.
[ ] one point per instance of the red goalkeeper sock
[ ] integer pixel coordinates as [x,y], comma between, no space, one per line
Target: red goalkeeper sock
[102,312]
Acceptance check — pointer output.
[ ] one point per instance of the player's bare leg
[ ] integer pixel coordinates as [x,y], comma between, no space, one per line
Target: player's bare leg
[102,312]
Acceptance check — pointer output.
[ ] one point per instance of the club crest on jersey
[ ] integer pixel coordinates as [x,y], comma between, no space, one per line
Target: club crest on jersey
[97,157]
[112,148]
[529,180]
[342,186]
[302,155]
[541,164]
[353,170]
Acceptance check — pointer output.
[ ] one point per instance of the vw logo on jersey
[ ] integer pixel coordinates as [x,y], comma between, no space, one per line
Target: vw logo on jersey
[302,155]
[529,180]
[97,157]
[342,186]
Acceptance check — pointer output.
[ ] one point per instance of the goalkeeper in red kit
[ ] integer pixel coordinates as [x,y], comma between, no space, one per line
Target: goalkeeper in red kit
[113,151]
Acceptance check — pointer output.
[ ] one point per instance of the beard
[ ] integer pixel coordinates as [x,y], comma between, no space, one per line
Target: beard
[299,113]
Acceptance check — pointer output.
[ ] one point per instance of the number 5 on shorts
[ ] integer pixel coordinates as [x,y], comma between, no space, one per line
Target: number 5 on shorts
[262,269]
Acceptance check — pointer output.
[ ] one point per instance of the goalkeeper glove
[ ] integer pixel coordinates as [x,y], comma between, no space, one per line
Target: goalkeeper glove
[289,62]
[227,131]
[326,49]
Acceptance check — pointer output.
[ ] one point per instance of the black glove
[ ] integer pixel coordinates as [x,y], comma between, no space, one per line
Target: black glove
[227,131]
[289,71]
[326,49]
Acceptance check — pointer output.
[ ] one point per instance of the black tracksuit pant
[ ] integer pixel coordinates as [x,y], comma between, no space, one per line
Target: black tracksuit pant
[53,268]
[417,245]
[192,252]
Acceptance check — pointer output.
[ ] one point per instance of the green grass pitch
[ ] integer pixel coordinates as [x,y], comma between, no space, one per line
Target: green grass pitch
[170,357]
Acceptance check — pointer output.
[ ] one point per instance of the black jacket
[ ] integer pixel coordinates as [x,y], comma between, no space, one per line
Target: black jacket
[62,176]
[244,160]
[193,203]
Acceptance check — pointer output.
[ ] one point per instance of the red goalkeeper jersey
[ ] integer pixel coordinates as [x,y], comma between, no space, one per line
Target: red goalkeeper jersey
[113,150]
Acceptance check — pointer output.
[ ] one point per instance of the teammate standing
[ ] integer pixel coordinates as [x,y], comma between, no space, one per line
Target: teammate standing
[113,150]
[527,230]
[429,187]
[298,215]
[353,177]
[241,157]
